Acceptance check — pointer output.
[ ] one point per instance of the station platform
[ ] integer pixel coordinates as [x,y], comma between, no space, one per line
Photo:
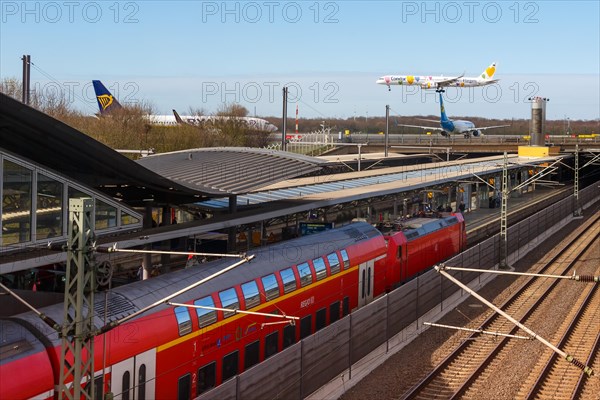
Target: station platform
[484,222]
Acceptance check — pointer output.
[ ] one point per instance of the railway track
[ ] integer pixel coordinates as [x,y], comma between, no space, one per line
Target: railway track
[473,360]
[552,377]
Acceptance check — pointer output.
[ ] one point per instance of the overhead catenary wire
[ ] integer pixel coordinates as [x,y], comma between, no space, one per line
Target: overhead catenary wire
[49,321]
[574,277]
[441,269]
[460,328]
[233,310]
[54,80]
[114,249]
[116,323]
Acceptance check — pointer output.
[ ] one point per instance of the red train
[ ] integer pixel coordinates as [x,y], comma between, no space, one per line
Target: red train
[181,352]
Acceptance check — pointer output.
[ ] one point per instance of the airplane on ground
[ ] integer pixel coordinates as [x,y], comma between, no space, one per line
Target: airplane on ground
[448,126]
[440,82]
[107,103]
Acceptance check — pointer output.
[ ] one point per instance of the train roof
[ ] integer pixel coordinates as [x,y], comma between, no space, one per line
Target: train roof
[413,228]
[125,300]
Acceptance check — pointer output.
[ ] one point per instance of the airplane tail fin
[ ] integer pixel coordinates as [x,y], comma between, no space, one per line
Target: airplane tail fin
[489,72]
[443,116]
[178,118]
[106,101]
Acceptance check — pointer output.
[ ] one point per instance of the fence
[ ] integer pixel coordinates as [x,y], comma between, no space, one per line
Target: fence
[332,360]
[312,144]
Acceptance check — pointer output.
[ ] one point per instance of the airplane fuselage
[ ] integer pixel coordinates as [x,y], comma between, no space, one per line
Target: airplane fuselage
[440,82]
[457,126]
[258,124]
[432,82]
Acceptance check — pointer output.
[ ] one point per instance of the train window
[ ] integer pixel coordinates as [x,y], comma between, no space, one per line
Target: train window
[288,279]
[320,268]
[305,326]
[125,385]
[252,353]
[230,365]
[289,336]
[305,274]
[399,253]
[229,299]
[334,263]
[363,280]
[345,258]
[184,321]
[98,387]
[141,383]
[271,344]
[206,377]
[250,290]
[334,312]
[346,306]
[205,317]
[411,235]
[271,287]
[369,281]
[321,319]
[184,387]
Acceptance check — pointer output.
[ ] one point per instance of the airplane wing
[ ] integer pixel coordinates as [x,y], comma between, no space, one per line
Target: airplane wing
[491,127]
[432,128]
[437,121]
[448,81]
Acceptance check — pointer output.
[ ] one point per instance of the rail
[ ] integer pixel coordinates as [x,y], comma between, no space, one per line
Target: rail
[431,386]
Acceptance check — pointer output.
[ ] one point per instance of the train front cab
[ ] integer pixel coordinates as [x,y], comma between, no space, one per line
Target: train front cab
[411,251]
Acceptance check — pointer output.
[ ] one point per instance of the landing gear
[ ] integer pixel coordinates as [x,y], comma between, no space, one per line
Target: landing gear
[440,90]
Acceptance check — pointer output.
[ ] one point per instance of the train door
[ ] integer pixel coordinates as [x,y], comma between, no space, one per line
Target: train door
[401,259]
[366,273]
[134,378]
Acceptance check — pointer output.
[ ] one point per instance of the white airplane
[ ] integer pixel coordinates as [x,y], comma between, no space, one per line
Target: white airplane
[107,102]
[440,82]
[448,126]
[257,124]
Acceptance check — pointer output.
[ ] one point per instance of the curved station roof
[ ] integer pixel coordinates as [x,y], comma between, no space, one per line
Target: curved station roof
[230,170]
[176,178]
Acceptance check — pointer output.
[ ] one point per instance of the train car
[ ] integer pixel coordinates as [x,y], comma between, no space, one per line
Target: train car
[182,352]
[418,243]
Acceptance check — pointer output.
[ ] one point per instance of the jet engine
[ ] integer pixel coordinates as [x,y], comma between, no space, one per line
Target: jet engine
[476,133]
[428,84]
[444,134]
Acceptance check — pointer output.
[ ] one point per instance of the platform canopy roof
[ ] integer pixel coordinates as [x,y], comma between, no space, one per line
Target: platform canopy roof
[175,178]
[230,170]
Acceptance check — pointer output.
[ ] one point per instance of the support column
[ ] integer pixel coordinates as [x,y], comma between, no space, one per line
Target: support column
[231,231]
[77,349]
[165,259]
[147,258]
[503,263]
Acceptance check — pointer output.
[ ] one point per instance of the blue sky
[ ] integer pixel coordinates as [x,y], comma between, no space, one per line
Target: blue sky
[203,54]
